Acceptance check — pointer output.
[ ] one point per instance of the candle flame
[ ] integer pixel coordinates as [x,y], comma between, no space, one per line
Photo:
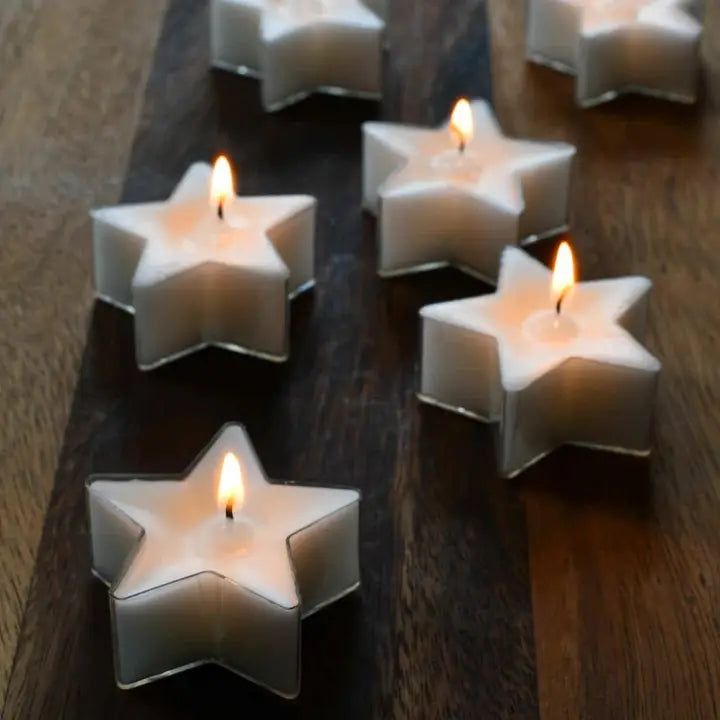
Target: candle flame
[231,491]
[563,277]
[461,123]
[222,185]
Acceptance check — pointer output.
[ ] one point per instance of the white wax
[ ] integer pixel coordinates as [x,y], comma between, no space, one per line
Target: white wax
[581,378]
[194,280]
[437,206]
[299,46]
[618,46]
[190,586]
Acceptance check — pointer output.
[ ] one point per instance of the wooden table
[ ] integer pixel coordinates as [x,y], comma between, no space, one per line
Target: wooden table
[587,588]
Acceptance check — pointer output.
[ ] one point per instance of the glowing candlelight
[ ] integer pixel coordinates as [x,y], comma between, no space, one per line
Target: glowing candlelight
[231,491]
[222,186]
[461,123]
[563,277]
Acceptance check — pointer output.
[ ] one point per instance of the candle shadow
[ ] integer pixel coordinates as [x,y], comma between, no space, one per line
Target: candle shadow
[593,478]
[238,96]
[636,127]
[302,310]
[201,392]
[411,292]
[477,497]
[401,298]
[464,527]
[332,109]
[334,652]
[631,127]
[210,691]
[577,475]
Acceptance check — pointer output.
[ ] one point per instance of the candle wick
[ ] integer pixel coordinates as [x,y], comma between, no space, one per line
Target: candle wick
[229,510]
[221,209]
[558,305]
[462,146]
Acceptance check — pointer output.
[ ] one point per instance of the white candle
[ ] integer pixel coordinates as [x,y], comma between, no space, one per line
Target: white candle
[194,279]
[299,46]
[552,363]
[219,566]
[457,195]
[618,46]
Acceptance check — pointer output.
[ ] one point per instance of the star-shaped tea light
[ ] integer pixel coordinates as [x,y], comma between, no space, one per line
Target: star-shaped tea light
[618,46]
[219,565]
[299,47]
[551,361]
[206,268]
[458,194]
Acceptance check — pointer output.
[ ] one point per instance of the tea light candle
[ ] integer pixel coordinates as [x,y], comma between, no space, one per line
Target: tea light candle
[299,46]
[219,566]
[457,195]
[552,362]
[618,46]
[206,267]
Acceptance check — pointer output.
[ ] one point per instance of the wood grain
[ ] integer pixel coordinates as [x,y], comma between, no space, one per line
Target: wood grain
[625,555]
[72,79]
[442,626]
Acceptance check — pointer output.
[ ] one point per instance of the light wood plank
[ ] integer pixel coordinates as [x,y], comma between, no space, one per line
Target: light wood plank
[625,557]
[73,75]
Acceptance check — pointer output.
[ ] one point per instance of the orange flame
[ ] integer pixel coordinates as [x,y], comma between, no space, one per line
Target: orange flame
[563,277]
[222,185]
[231,491]
[461,123]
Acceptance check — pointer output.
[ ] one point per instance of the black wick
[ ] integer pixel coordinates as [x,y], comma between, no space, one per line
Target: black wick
[560,299]
[229,510]
[221,209]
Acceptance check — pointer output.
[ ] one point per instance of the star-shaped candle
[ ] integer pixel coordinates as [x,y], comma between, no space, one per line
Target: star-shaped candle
[552,362]
[618,46]
[300,46]
[458,194]
[206,267]
[219,566]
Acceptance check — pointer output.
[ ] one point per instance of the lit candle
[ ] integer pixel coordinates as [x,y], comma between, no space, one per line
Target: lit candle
[551,361]
[618,46]
[457,195]
[219,566]
[300,46]
[198,273]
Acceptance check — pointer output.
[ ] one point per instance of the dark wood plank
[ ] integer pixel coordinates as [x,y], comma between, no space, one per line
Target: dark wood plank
[625,555]
[442,625]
